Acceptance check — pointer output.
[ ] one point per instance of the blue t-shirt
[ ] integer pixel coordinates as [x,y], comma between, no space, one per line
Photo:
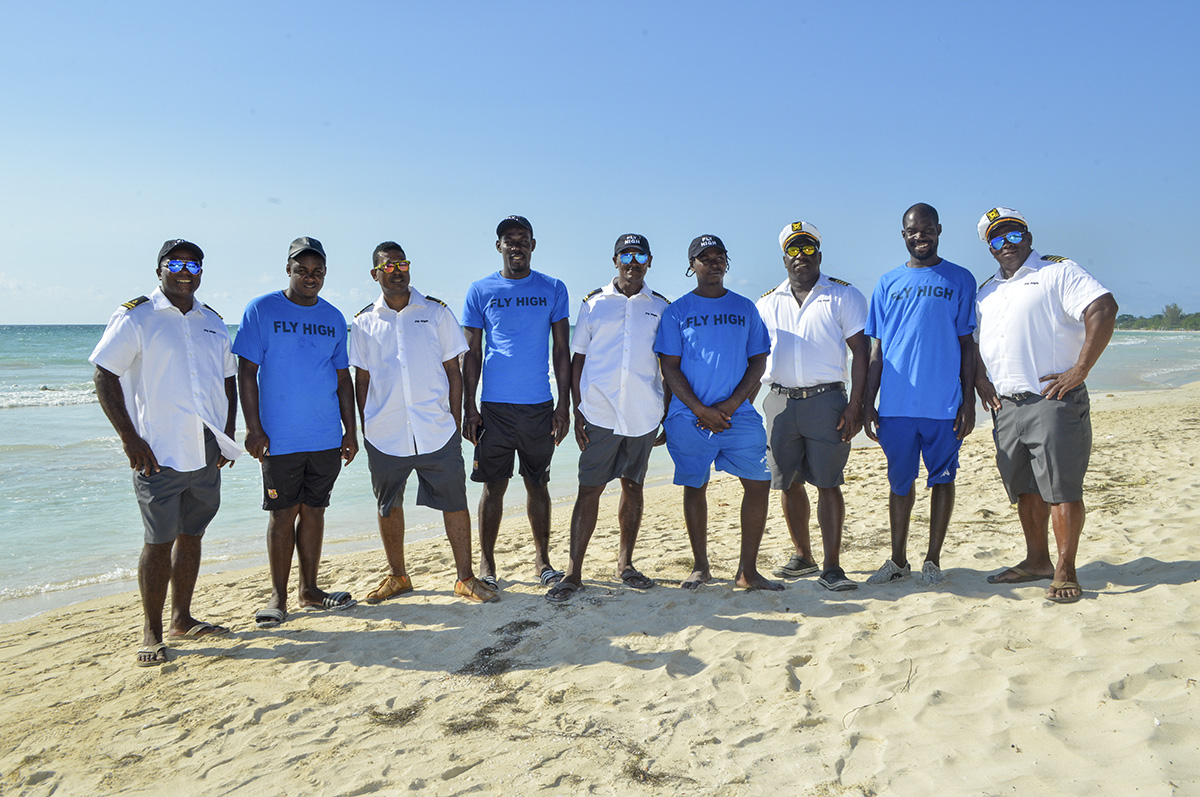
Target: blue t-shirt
[515,316]
[299,351]
[714,339]
[918,315]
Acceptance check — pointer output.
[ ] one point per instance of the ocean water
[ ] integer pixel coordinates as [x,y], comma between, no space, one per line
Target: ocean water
[70,530]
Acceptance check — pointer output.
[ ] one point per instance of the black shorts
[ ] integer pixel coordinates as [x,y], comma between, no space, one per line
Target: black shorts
[304,477]
[527,429]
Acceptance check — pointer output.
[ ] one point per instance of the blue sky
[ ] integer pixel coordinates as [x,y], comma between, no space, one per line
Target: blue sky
[243,125]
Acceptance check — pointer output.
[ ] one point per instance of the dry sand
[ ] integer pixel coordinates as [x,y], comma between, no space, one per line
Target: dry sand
[964,688]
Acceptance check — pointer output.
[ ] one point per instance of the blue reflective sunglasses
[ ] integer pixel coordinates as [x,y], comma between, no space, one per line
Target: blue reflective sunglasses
[628,257]
[1015,237]
[176,266]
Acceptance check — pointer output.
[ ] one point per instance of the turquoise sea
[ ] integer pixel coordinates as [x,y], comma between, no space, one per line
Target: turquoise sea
[69,527]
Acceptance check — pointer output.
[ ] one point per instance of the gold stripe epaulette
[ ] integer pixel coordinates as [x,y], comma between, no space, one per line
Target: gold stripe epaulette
[768,293]
[132,303]
[593,293]
[1055,258]
[659,295]
[214,312]
[365,309]
[984,284]
[838,281]
[435,299]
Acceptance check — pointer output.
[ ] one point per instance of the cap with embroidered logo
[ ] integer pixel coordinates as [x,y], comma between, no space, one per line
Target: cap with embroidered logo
[513,221]
[798,229]
[702,242]
[631,241]
[994,216]
[305,244]
[175,243]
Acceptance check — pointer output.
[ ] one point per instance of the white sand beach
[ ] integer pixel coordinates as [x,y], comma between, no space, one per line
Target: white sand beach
[964,688]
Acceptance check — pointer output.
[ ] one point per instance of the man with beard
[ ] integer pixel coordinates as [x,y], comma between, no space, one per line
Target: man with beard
[922,369]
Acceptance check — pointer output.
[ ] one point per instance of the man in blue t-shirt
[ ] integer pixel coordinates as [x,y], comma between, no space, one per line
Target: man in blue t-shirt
[922,370]
[294,374]
[713,347]
[521,310]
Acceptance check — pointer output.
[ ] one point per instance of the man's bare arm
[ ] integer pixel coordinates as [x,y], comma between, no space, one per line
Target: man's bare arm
[1099,320]
[112,401]
[472,368]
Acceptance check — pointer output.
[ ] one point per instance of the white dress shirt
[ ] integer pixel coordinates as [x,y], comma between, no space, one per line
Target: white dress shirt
[408,398]
[1032,324]
[172,368]
[808,341]
[621,385]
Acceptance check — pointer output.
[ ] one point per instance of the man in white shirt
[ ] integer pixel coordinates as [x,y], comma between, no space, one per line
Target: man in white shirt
[617,391]
[1043,324]
[812,318]
[165,379]
[404,348]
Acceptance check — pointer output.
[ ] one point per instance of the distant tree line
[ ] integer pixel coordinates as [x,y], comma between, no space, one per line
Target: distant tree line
[1171,317]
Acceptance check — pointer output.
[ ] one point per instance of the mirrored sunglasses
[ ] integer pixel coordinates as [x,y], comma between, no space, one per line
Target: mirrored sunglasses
[628,257]
[808,249]
[176,266]
[388,266]
[1015,237]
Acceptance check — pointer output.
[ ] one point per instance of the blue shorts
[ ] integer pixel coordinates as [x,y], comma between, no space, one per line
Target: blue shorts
[741,449]
[905,440]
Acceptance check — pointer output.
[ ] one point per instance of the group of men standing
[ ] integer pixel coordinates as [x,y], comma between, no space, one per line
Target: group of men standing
[639,370]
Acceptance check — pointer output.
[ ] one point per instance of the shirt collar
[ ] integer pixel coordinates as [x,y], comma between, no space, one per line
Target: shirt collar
[786,285]
[415,299]
[159,301]
[1031,264]
[611,289]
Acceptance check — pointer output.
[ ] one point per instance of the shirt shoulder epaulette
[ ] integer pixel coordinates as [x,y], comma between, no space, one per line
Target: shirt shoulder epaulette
[1055,258]
[435,300]
[767,293]
[590,295]
[214,312]
[659,295]
[132,303]
[839,282]
[984,284]
[365,309]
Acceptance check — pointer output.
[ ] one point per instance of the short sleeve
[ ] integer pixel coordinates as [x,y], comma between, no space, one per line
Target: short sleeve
[583,333]
[248,342]
[853,308]
[1079,289]
[119,346]
[668,341]
[472,314]
[453,341]
[874,327]
[562,307]
[758,340]
[341,358]
[358,346]
[965,319]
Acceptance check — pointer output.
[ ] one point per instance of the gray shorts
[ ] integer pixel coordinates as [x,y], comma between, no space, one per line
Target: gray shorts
[176,502]
[609,455]
[1043,445]
[803,439]
[441,478]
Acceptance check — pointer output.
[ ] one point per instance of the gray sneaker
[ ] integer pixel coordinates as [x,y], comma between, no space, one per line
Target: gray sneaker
[931,574]
[888,573]
[797,566]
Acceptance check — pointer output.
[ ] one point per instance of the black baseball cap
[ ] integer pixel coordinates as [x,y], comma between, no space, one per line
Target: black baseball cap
[513,221]
[631,241]
[700,243]
[306,244]
[175,243]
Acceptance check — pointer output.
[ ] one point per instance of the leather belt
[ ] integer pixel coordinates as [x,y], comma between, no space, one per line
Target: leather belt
[806,392]
[1018,396]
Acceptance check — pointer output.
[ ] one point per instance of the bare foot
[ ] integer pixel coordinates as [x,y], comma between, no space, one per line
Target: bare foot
[696,579]
[756,581]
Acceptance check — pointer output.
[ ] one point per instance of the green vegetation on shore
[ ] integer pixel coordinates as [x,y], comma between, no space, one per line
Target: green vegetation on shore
[1171,317]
